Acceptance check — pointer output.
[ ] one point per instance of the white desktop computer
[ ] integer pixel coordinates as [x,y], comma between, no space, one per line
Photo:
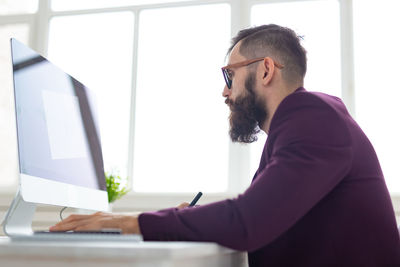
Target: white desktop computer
[59,148]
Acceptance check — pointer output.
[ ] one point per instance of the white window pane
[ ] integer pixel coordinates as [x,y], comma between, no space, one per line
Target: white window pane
[60,5]
[97,50]
[377,57]
[9,7]
[256,150]
[319,25]
[181,130]
[8,139]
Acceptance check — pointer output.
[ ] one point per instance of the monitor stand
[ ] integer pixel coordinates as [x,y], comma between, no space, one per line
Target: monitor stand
[18,220]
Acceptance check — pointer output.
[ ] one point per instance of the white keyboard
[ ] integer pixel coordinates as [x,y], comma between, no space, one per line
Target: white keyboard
[113,236]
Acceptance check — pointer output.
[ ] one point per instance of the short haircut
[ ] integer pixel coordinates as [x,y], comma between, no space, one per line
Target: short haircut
[280,43]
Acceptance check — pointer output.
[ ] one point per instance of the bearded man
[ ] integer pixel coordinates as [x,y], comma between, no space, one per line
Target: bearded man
[318,197]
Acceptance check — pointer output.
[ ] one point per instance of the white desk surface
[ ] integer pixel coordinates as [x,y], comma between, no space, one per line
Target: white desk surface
[44,254]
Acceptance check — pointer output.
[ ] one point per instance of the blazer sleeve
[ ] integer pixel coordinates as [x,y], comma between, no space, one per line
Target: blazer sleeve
[309,153]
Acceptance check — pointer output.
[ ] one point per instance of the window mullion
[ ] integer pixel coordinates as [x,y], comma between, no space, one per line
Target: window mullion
[347,54]
[131,141]
[239,155]
[40,31]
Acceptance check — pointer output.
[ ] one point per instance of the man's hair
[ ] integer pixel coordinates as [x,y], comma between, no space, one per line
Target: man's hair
[280,43]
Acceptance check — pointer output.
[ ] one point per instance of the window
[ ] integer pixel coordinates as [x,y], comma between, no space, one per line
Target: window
[97,50]
[19,29]
[181,142]
[377,58]
[11,7]
[320,34]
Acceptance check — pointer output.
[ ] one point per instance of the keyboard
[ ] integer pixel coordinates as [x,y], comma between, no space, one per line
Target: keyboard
[87,236]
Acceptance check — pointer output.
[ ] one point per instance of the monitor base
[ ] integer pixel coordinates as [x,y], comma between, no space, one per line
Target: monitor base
[18,220]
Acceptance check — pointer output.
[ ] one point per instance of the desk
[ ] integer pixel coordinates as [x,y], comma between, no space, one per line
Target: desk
[93,254]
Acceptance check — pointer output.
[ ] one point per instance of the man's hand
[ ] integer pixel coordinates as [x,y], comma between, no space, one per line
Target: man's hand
[129,224]
[183,205]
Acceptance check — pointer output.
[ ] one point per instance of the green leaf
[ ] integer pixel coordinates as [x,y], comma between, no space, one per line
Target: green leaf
[114,189]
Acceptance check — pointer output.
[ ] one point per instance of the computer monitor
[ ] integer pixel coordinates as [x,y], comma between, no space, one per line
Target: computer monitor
[59,148]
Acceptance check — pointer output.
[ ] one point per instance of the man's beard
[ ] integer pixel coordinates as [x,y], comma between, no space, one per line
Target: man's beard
[248,113]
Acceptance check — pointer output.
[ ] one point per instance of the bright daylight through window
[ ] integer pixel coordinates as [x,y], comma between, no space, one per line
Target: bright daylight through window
[181,130]
[102,60]
[377,87]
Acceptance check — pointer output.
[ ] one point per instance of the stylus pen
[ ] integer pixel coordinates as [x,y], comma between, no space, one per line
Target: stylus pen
[195,199]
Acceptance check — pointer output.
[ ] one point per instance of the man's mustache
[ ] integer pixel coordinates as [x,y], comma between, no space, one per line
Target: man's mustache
[230,103]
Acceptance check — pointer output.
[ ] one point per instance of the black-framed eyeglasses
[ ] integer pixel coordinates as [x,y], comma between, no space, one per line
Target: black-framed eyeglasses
[226,71]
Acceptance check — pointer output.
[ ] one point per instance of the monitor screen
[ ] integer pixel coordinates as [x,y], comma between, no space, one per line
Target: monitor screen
[58,137]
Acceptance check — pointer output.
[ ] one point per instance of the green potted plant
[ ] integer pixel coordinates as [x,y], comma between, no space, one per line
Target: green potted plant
[115,187]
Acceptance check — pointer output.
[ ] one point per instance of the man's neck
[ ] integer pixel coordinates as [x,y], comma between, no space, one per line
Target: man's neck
[275,101]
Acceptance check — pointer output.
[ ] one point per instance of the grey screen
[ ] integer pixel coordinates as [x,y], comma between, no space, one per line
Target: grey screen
[58,137]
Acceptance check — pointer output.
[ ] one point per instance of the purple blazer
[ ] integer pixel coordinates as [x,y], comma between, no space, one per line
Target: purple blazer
[318,197]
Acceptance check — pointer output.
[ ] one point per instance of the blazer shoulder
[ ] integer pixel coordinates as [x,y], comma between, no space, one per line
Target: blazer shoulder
[315,117]
[316,99]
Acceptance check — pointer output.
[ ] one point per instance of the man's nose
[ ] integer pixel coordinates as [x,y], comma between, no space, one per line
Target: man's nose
[226,92]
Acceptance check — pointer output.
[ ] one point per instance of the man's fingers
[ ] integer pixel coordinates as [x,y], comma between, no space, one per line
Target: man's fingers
[97,221]
[72,222]
[78,217]
[183,205]
[75,217]
[89,227]
[97,225]
[63,227]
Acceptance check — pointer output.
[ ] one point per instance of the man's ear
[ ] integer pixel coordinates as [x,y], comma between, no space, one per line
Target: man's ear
[268,70]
